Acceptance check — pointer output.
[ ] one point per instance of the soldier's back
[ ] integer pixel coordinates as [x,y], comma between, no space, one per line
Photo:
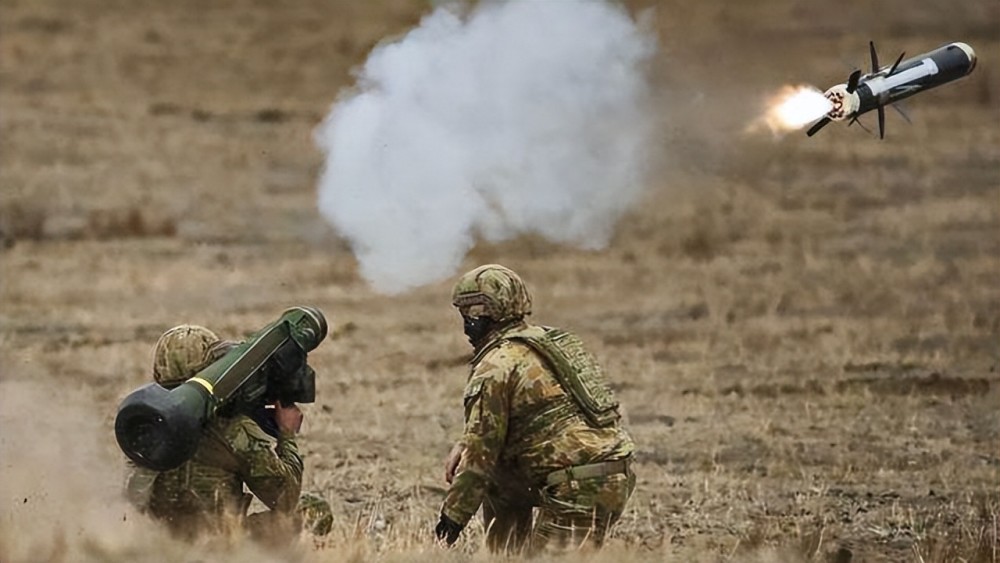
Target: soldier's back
[548,429]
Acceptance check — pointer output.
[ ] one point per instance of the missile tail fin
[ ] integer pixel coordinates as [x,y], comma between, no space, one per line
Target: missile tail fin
[852,81]
[896,64]
[856,119]
[819,125]
[899,109]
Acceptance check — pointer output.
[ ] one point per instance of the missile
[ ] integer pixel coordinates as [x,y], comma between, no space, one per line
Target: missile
[886,85]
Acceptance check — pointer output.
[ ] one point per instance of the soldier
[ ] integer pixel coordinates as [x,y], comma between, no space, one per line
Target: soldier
[542,429]
[206,493]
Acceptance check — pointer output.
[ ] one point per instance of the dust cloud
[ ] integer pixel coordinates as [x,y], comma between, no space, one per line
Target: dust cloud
[515,118]
[61,478]
[59,484]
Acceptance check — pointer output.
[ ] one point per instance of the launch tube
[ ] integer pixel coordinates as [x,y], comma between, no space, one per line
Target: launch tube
[160,429]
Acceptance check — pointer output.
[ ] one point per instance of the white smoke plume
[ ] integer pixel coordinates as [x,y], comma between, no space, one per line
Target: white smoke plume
[518,117]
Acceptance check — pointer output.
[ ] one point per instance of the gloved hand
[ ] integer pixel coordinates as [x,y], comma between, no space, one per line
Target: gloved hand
[447,530]
[451,462]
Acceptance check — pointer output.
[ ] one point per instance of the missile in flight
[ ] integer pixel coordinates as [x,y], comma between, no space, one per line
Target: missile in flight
[886,85]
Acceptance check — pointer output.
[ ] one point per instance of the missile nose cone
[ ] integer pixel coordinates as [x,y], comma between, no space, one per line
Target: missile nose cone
[968,52]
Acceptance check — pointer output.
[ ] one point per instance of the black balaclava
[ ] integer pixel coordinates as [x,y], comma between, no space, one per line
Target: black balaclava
[477,329]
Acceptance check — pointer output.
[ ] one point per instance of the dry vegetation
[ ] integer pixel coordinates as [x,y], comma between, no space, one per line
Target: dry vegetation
[804,332]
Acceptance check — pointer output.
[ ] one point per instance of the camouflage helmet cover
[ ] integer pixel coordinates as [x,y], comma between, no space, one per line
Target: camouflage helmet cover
[180,353]
[494,291]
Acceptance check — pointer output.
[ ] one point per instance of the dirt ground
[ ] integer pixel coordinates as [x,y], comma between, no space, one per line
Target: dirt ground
[804,332]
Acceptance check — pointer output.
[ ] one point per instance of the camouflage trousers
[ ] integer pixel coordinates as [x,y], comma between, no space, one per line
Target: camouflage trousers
[568,516]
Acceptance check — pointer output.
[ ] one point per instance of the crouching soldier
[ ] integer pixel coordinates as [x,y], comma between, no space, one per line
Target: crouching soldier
[542,429]
[206,493]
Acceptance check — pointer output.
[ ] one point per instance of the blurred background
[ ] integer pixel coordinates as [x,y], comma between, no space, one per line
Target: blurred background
[803,331]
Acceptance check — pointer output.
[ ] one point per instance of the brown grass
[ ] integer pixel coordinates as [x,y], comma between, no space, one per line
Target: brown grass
[804,332]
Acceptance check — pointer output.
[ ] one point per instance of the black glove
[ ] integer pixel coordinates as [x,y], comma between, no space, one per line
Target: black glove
[447,530]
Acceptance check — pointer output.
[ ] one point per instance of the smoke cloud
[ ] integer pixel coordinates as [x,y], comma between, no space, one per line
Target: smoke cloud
[518,117]
[60,485]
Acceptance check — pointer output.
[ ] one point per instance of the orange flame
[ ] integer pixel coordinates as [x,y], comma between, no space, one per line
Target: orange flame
[793,107]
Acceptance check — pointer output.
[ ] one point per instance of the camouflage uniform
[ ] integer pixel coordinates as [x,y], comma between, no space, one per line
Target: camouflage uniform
[527,431]
[205,494]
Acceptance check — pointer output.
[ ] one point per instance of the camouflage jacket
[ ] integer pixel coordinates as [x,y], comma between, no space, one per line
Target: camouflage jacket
[209,487]
[521,425]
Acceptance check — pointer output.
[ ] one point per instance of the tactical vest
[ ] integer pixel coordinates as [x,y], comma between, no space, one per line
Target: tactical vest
[578,373]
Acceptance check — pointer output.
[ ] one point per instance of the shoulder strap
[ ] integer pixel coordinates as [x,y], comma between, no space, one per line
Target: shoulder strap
[577,371]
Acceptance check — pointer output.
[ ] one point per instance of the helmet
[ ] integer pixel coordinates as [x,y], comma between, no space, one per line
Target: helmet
[180,353]
[494,291]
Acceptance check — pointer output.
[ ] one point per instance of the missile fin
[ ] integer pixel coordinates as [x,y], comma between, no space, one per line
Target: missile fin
[852,81]
[896,64]
[899,109]
[819,125]
[881,122]
[871,49]
[856,119]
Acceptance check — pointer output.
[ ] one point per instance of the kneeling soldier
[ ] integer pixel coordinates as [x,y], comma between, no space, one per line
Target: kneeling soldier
[206,493]
[542,429]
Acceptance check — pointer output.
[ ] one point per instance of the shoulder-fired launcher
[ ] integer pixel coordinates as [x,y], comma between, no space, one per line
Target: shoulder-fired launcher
[160,429]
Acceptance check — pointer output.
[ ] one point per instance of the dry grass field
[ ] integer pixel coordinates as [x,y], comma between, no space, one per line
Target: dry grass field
[805,333]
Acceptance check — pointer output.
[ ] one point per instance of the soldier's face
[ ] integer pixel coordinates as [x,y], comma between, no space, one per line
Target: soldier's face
[477,328]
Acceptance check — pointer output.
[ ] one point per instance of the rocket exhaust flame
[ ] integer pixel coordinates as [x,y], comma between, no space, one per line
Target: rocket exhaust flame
[792,108]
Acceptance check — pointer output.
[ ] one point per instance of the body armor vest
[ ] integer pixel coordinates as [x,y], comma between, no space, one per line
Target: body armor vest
[578,373]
